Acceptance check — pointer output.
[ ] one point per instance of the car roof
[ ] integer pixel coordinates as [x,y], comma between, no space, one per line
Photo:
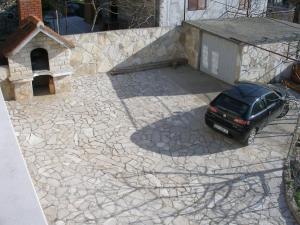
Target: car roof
[248,92]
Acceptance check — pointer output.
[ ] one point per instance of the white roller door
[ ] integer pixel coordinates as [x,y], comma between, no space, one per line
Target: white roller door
[219,58]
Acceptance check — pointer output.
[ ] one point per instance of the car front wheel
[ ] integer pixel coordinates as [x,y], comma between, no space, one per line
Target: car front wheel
[285,111]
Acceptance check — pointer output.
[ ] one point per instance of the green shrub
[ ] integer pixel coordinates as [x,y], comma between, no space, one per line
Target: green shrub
[297,197]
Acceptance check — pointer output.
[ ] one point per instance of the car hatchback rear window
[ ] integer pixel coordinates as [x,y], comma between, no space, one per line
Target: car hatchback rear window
[233,105]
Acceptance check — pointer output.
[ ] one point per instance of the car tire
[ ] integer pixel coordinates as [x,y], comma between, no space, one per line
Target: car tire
[285,110]
[250,137]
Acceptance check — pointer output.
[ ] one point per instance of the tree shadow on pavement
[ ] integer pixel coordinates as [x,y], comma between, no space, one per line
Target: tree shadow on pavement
[237,195]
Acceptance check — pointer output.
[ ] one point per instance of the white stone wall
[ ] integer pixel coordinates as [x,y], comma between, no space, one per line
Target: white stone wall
[103,51]
[263,66]
[5,84]
[173,12]
[20,63]
[23,90]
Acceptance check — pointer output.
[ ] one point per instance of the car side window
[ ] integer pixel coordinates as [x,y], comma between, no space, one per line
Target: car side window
[258,107]
[271,98]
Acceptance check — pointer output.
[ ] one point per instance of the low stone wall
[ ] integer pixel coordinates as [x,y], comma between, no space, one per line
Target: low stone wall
[19,202]
[103,51]
[263,66]
[173,12]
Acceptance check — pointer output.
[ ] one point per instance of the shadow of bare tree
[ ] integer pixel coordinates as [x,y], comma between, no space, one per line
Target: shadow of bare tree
[226,196]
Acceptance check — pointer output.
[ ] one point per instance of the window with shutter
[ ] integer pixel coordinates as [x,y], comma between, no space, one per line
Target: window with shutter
[193,5]
[196,4]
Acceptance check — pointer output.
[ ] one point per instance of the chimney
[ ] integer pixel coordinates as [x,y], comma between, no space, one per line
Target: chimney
[29,8]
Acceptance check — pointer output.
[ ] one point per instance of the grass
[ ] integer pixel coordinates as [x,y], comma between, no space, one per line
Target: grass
[297,197]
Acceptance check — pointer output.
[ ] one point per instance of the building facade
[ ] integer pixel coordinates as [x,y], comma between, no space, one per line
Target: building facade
[173,12]
[147,13]
[242,49]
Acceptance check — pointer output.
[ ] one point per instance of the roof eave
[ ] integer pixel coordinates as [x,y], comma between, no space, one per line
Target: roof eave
[31,36]
[64,43]
[22,44]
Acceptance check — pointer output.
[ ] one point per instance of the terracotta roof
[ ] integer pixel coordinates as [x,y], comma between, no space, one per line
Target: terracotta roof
[28,30]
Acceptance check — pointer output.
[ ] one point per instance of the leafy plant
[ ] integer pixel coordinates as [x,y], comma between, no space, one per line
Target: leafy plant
[297,197]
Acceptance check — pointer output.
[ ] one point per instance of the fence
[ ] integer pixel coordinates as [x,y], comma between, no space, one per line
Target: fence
[291,172]
[287,15]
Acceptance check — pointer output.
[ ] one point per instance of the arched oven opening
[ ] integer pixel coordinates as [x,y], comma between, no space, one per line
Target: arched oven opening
[39,59]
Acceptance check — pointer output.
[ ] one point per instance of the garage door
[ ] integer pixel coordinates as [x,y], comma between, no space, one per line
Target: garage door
[219,58]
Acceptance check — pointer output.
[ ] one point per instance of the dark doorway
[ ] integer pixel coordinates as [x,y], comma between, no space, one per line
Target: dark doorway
[43,85]
[39,59]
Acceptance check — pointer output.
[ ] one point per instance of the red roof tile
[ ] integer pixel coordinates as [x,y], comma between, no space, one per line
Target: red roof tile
[31,25]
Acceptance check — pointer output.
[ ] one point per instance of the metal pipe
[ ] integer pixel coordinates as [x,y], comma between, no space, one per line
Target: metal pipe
[275,53]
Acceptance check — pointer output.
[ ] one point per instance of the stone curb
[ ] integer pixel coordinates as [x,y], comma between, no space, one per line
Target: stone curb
[289,192]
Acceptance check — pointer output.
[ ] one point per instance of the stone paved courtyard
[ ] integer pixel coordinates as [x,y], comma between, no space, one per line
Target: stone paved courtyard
[133,149]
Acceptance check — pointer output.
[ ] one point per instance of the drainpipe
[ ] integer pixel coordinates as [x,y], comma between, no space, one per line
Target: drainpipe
[184,10]
[57,21]
[168,13]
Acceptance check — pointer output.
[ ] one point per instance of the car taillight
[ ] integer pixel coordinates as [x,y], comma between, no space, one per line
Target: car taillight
[213,109]
[241,121]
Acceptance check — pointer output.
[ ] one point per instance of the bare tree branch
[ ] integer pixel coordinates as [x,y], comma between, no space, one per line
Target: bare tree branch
[137,13]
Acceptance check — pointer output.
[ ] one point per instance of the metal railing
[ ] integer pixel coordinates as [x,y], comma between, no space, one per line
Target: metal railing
[293,157]
[294,104]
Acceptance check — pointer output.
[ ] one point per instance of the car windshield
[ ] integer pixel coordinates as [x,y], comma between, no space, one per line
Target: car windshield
[233,105]
[278,92]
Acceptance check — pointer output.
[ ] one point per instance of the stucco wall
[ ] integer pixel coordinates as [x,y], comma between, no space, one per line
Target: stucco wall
[103,51]
[173,12]
[263,66]
[191,43]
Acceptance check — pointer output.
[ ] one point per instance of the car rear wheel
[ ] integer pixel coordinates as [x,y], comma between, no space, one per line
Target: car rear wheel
[251,136]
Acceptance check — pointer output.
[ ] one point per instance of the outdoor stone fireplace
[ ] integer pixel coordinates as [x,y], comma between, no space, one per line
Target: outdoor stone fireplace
[39,60]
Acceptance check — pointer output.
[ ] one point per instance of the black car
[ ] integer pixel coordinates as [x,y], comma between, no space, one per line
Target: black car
[246,108]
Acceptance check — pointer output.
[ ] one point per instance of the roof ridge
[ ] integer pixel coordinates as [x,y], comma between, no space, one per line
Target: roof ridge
[31,26]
